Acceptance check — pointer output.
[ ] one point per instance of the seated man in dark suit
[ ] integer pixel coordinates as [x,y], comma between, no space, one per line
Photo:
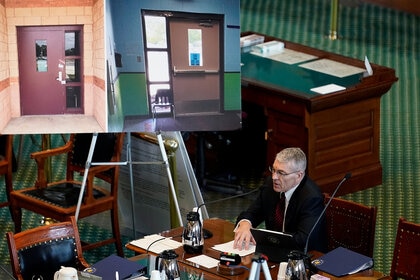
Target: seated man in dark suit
[304,203]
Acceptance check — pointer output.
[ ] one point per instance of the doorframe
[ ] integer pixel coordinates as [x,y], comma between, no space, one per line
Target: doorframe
[189,16]
[64,28]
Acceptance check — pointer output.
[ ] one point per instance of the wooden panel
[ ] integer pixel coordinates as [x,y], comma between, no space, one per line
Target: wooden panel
[338,131]
[284,130]
[344,139]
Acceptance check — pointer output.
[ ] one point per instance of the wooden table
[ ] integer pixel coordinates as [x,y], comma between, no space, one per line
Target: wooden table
[223,232]
[339,131]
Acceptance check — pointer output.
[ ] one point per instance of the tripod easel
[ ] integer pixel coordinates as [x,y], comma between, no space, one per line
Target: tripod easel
[165,161]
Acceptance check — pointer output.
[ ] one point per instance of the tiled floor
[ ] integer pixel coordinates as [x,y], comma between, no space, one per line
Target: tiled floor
[52,124]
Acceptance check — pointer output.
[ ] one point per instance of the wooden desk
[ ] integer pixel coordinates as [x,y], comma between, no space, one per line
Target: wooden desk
[223,232]
[339,132]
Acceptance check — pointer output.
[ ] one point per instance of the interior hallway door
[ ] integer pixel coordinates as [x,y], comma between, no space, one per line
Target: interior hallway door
[197,68]
[50,70]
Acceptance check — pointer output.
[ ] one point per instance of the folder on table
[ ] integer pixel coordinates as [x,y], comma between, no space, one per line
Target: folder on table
[106,268]
[342,261]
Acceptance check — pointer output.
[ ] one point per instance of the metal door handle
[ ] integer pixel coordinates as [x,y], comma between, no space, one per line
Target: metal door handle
[60,76]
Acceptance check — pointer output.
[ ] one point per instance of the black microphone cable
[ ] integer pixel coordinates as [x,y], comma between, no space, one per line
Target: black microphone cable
[346,177]
[160,239]
[227,198]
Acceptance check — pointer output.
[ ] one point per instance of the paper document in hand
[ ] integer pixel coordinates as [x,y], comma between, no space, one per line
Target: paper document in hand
[228,247]
[156,243]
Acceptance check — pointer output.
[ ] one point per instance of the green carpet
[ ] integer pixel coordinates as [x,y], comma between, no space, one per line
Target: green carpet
[25,176]
[388,38]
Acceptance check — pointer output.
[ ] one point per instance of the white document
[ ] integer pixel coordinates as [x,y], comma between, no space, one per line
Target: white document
[228,247]
[204,260]
[156,243]
[333,68]
[327,89]
[287,56]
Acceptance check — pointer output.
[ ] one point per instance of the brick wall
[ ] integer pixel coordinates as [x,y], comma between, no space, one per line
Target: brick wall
[47,3]
[5,105]
[98,63]
[69,12]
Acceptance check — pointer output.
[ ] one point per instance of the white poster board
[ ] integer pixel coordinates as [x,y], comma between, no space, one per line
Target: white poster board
[151,186]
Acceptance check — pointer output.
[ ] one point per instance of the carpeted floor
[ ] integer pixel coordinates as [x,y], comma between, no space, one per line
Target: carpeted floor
[387,37]
[25,176]
[390,38]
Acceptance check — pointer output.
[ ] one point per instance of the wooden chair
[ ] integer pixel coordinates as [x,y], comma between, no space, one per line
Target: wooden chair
[405,261]
[6,165]
[41,251]
[350,225]
[58,200]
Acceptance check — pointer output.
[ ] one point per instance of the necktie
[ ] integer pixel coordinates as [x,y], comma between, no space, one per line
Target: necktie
[279,214]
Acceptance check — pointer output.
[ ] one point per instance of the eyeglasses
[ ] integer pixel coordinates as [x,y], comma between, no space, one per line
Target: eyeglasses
[279,172]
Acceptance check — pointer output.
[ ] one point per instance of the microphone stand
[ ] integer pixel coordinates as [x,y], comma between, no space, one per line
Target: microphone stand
[307,258]
[207,233]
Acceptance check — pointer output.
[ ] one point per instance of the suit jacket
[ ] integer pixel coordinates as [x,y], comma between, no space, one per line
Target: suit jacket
[305,206]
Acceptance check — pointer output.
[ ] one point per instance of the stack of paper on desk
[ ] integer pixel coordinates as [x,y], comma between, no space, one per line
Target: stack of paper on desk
[268,47]
[251,40]
[156,243]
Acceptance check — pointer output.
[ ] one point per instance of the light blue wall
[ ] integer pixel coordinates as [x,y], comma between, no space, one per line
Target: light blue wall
[127,27]
[124,35]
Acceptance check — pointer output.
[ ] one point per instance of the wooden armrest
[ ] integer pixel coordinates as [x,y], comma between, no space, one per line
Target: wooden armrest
[52,152]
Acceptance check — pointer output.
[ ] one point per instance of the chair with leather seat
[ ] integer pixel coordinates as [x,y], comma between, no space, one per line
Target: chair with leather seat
[164,99]
[6,165]
[58,200]
[351,225]
[41,251]
[405,261]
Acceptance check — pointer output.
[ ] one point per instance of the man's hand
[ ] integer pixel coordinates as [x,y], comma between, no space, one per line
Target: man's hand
[243,236]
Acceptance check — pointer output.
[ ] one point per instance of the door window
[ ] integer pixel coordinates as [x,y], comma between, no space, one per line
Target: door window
[195,47]
[41,55]
[157,58]
[73,69]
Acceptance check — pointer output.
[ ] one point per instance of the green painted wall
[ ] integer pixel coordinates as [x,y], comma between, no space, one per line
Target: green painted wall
[132,89]
[232,87]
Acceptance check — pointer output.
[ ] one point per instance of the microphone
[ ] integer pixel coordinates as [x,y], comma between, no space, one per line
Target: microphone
[346,177]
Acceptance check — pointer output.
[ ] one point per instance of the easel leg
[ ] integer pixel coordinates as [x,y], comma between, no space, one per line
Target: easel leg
[130,166]
[85,175]
[168,171]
